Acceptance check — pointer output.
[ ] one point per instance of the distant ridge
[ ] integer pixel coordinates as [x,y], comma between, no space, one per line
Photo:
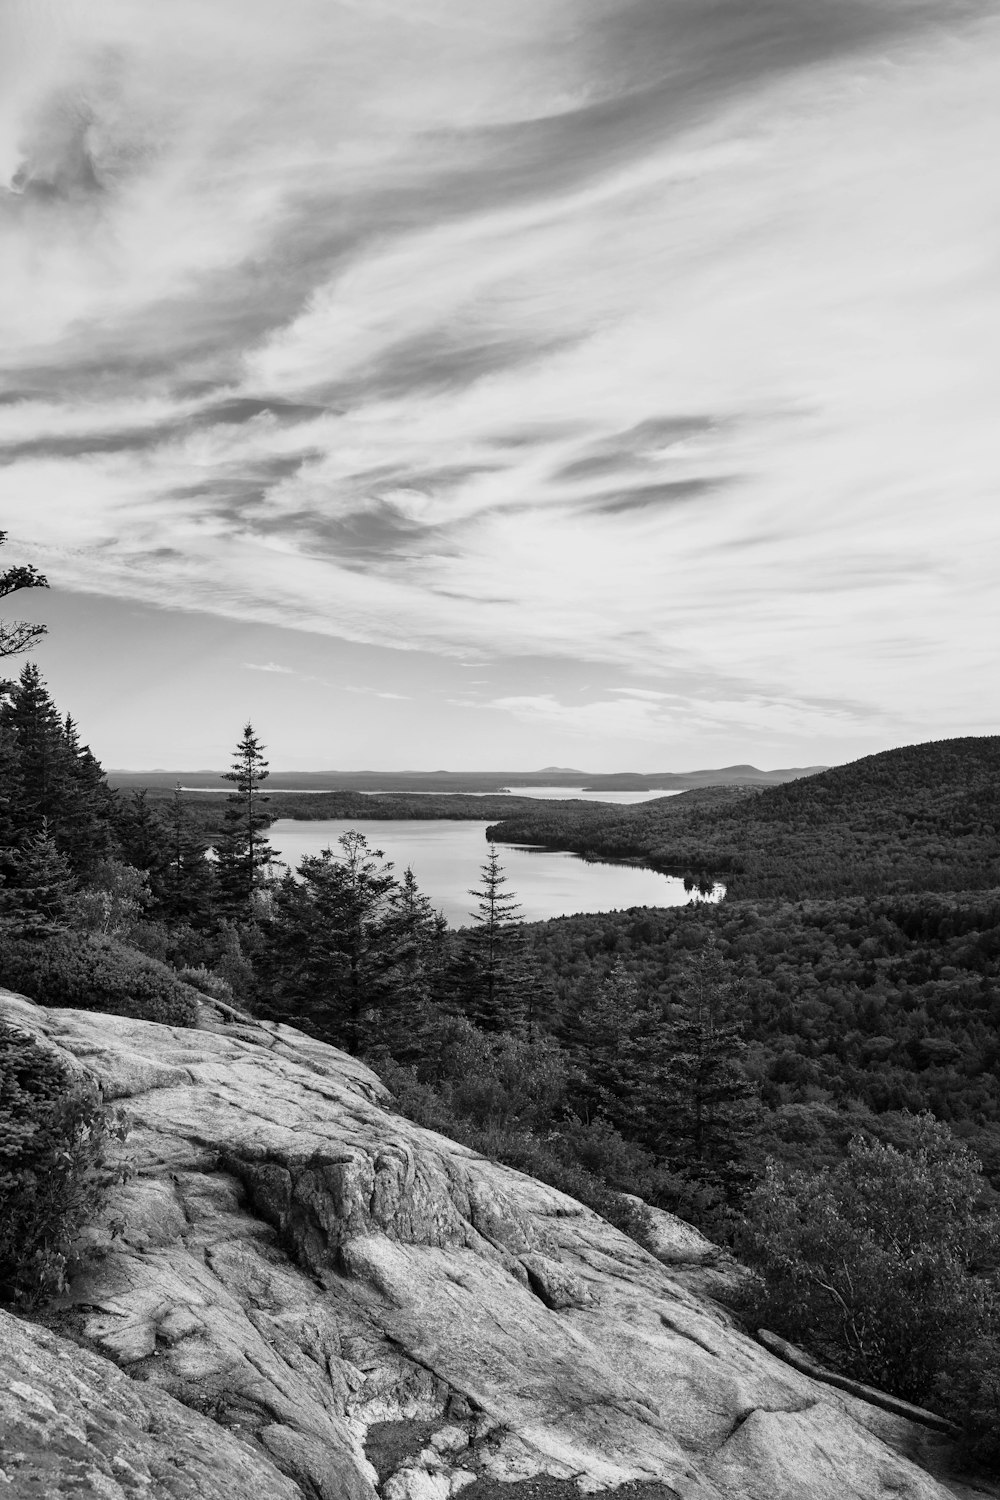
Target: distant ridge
[471,781]
[684,780]
[917,818]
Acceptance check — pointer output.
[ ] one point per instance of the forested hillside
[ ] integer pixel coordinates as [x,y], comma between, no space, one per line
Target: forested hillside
[850,1008]
[924,817]
[207,810]
[671,1053]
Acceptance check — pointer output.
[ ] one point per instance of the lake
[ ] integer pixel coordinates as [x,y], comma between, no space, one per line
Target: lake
[546,793]
[446,856]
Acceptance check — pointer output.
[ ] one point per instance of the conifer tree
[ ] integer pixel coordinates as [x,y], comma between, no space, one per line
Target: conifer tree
[613,1039]
[706,1110]
[10,790]
[45,787]
[39,903]
[493,976]
[86,832]
[185,881]
[243,851]
[333,953]
[142,835]
[56,780]
[412,1012]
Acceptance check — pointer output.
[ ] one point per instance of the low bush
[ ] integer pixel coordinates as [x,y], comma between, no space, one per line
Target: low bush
[206,982]
[547,1157]
[493,1079]
[86,971]
[874,1265]
[55,1136]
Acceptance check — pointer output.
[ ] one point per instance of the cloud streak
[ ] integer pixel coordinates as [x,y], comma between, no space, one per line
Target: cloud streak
[651,333]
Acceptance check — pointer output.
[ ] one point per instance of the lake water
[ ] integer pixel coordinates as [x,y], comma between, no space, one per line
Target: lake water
[446,856]
[546,793]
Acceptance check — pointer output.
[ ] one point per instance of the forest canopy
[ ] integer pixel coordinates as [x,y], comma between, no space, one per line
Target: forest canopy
[921,818]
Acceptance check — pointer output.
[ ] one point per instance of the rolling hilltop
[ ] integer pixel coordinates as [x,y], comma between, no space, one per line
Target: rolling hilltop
[467,781]
[924,817]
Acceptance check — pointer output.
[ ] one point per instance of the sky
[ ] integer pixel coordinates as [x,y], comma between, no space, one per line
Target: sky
[599,383]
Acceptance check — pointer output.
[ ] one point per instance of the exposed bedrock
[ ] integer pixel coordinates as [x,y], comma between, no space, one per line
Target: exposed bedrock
[303,1294]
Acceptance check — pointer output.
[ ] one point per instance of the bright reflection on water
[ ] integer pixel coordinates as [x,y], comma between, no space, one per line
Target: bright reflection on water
[545,793]
[446,857]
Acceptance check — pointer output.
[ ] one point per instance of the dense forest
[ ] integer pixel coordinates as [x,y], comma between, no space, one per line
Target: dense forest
[851,1010]
[921,818]
[206,810]
[834,1019]
[847,1010]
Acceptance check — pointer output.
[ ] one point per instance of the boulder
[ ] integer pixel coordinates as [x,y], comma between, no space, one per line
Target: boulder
[353,1305]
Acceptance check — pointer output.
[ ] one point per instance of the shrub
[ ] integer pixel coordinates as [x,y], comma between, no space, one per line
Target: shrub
[871,1264]
[544,1157]
[54,1138]
[112,901]
[88,972]
[969,1390]
[493,1079]
[206,982]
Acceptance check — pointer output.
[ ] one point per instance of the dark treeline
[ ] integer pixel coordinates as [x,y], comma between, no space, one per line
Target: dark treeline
[925,817]
[206,811]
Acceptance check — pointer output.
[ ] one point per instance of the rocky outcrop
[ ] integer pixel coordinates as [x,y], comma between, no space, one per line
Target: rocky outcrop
[309,1296]
[71,1424]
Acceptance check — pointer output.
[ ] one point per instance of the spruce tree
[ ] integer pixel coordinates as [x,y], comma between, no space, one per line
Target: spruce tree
[10,788]
[185,880]
[55,780]
[243,851]
[39,904]
[494,978]
[411,1014]
[142,835]
[86,830]
[45,786]
[333,949]
[707,1106]
[612,1037]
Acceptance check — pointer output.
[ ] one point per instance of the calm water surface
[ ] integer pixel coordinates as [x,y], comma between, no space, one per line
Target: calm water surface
[546,793]
[446,857]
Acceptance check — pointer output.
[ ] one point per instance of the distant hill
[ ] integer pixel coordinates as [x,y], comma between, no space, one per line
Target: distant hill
[466,781]
[629,781]
[923,817]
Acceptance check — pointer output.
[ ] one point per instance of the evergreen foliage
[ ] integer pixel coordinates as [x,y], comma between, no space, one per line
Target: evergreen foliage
[54,1172]
[53,780]
[704,1115]
[243,852]
[606,1034]
[39,900]
[852,1010]
[141,834]
[346,950]
[921,818]
[89,972]
[186,882]
[493,981]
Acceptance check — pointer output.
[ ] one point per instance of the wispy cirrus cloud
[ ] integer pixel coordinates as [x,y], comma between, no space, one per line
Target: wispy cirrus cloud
[647,332]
